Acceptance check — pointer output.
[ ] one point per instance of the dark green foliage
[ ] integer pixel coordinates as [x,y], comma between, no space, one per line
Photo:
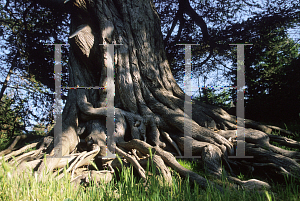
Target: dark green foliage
[272,78]
[221,99]
[27,28]
[10,121]
[224,26]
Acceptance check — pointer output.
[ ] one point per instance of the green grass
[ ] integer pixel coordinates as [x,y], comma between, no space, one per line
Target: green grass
[293,126]
[128,187]
[4,141]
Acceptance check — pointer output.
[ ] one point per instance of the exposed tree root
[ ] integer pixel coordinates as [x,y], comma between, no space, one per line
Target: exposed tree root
[133,161]
[99,177]
[251,184]
[169,159]
[15,142]
[20,151]
[137,153]
[285,141]
[10,148]
[161,168]
[282,131]
[262,139]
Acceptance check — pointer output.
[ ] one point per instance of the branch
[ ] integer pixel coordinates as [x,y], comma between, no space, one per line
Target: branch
[220,62]
[195,17]
[181,25]
[8,75]
[177,16]
[187,9]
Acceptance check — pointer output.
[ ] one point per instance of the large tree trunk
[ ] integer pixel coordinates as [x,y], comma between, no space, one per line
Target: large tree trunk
[148,101]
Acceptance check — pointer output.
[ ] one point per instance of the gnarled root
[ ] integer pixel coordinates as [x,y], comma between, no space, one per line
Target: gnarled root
[15,142]
[250,184]
[136,152]
[161,168]
[280,161]
[170,160]
[17,152]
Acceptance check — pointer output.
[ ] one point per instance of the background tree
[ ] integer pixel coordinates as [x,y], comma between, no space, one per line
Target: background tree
[26,29]
[271,78]
[214,25]
[270,95]
[10,122]
[221,100]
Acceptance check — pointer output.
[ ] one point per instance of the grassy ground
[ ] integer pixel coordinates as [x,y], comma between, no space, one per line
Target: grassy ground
[127,187]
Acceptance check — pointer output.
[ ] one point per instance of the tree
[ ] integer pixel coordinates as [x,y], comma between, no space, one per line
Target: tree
[272,79]
[215,24]
[149,105]
[221,99]
[10,120]
[25,29]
